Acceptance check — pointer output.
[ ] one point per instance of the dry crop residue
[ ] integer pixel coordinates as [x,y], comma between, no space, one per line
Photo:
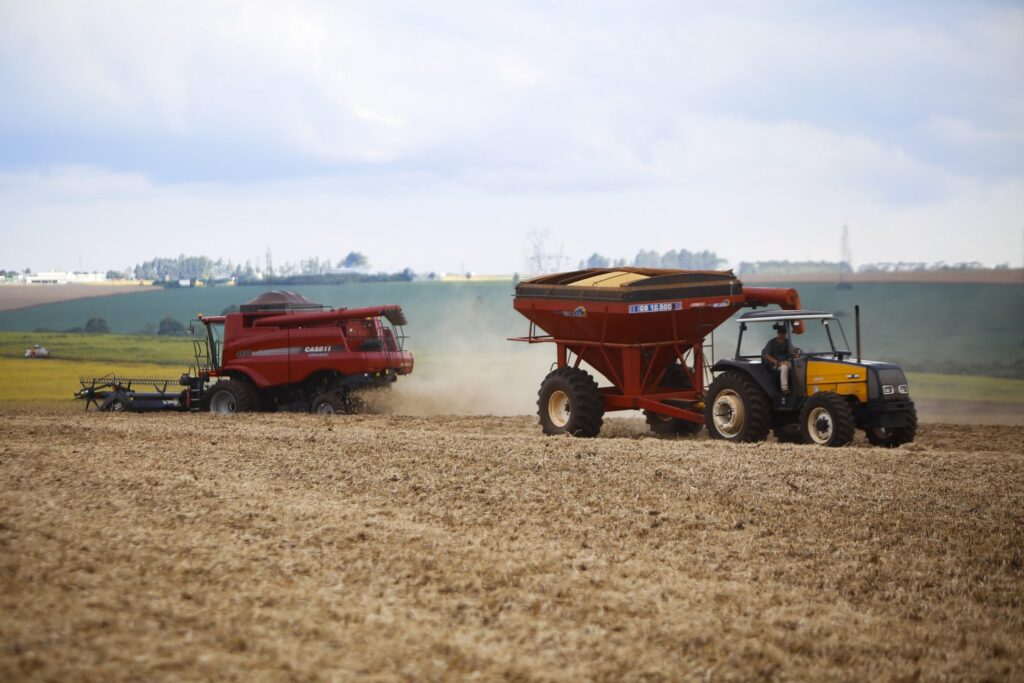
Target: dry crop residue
[309,547]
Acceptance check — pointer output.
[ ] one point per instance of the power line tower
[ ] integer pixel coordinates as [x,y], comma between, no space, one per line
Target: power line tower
[270,264]
[845,259]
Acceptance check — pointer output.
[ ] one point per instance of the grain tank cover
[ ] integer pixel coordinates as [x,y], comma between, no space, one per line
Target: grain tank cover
[631,285]
[279,302]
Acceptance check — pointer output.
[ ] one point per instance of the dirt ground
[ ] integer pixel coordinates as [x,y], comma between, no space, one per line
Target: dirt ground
[22,296]
[296,547]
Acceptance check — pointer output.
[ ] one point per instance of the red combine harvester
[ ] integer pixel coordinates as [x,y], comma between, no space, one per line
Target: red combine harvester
[280,352]
[643,329]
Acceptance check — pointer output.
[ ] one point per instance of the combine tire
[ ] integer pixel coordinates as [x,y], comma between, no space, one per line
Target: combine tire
[827,420]
[896,436]
[737,409]
[328,404]
[663,425]
[570,403]
[233,396]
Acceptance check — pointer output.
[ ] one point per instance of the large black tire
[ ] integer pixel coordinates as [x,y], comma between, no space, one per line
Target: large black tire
[675,378]
[569,403]
[233,396]
[328,403]
[737,409]
[827,420]
[663,425]
[897,436]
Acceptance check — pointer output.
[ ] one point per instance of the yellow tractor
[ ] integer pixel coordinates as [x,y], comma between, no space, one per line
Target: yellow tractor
[830,392]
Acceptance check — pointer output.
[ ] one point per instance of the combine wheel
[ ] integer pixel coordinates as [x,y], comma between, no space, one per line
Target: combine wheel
[233,396]
[737,409]
[663,425]
[328,404]
[570,403]
[896,436]
[827,420]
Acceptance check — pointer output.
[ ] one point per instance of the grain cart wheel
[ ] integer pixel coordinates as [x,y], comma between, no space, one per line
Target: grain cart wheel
[570,403]
[663,425]
[233,396]
[328,404]
[737,409]
[827,420]
[895,436]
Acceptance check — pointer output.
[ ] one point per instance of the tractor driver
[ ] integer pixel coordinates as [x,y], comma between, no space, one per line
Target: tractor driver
[778,353]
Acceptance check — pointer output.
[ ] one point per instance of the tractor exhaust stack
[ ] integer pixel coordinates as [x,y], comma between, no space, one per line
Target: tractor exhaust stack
[856,324]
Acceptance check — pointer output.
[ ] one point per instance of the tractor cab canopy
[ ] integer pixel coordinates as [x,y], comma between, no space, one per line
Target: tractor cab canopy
[821,333]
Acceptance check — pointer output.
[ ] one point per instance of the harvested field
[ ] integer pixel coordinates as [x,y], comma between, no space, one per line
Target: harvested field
[306,547]
[23,296]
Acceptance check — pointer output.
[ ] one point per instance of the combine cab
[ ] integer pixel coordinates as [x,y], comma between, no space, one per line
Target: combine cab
[280,352]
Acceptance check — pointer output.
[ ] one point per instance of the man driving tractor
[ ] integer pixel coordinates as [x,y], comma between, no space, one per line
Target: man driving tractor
[778,353]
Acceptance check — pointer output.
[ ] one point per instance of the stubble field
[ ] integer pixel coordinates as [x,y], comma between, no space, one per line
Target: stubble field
[290,547]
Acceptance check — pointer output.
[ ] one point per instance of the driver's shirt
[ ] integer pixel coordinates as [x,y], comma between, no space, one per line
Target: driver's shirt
[779,350]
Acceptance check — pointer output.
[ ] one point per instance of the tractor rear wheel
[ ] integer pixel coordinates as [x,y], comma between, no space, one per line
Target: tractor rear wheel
[233,396]
[328,404]
[895,436]
[737,409]
[827,420]
[570,403]
[663,425]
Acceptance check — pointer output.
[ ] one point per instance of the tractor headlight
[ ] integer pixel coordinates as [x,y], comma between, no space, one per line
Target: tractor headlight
[903,389]
[888,389]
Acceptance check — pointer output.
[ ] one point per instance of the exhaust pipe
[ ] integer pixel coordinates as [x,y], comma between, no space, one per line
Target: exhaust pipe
[856,324]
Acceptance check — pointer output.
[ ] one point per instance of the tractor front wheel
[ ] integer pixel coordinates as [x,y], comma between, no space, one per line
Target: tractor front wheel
[827,420]
[570,403]
[233,396]
[895,436]
[737,409]
[663,425]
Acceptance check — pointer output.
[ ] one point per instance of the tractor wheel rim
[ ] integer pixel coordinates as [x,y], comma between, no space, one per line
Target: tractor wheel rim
[559,408]
[222,403]
[820,425]
[728,413]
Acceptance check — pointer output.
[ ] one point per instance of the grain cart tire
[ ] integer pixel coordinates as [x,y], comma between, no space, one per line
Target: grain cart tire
[676,378]
[663,425]
[328,404]
[827,420]
[569,403]
[233,396]
[893,437]
[737,409]
[788,433]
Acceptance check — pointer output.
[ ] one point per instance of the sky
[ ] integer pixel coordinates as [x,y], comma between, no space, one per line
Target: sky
[440,136]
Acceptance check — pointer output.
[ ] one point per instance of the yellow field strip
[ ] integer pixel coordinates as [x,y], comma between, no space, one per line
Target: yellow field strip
[55,380]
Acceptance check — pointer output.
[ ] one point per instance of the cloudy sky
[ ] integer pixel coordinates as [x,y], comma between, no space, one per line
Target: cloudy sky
[438,135]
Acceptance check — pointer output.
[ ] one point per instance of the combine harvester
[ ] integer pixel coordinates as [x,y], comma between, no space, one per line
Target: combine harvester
[280,352]
[644,329]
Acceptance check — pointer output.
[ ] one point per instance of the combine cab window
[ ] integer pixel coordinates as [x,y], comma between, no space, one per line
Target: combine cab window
[216,342]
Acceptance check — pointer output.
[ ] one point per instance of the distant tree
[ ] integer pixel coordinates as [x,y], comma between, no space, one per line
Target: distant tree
[598,261]
[355,259]
[647,259]
[170,327]
[97,325]
[115,275]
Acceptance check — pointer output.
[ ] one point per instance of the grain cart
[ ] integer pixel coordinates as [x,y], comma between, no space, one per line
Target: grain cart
[281,351]
[643,329]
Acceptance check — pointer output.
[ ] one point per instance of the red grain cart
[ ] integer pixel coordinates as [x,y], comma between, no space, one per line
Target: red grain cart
[643,329]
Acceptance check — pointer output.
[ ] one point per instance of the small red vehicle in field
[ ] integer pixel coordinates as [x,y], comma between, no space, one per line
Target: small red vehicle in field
[281,351]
